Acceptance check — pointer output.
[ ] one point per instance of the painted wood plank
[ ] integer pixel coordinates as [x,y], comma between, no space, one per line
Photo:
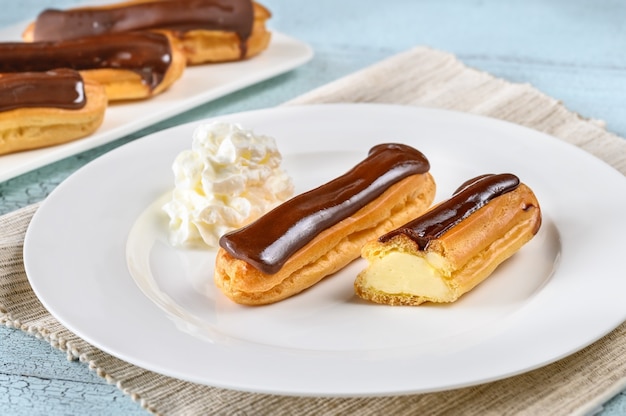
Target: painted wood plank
[36,379]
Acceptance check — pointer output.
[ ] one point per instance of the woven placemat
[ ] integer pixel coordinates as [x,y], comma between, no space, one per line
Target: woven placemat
[424,77]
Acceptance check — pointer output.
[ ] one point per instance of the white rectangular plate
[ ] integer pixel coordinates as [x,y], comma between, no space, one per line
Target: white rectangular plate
[198,85]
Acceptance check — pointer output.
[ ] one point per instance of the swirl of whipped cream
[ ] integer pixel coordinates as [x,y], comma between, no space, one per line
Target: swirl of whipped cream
[229,178]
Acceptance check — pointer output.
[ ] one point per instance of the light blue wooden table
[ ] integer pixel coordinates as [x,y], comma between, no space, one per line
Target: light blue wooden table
[573,50]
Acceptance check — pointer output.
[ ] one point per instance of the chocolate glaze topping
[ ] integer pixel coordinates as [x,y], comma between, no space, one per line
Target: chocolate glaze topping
[468,198]
[179,15]
[61,88]
[147,54]
[270,241]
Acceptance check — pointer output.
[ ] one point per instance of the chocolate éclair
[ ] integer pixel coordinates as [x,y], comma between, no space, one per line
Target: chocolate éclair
[449,250]
[209,30]
[40,109]
[131,66]
[319,232]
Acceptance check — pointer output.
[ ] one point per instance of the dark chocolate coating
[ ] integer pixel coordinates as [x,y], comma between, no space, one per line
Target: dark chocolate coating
[60,88]
[180,15]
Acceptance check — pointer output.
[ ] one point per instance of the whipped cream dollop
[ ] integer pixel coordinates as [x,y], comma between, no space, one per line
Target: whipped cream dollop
[229,178]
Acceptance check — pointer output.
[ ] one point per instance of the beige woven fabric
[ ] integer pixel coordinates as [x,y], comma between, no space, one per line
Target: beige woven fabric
[423,77]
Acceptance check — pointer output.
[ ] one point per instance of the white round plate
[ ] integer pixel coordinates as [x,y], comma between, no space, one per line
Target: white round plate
[160,311]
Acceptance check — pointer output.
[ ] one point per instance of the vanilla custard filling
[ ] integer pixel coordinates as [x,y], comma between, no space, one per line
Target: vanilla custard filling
[403,273]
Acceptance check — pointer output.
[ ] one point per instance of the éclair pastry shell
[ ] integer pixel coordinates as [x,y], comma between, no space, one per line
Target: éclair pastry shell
[206,46]
[32,128]
[469,252]
[329,251]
